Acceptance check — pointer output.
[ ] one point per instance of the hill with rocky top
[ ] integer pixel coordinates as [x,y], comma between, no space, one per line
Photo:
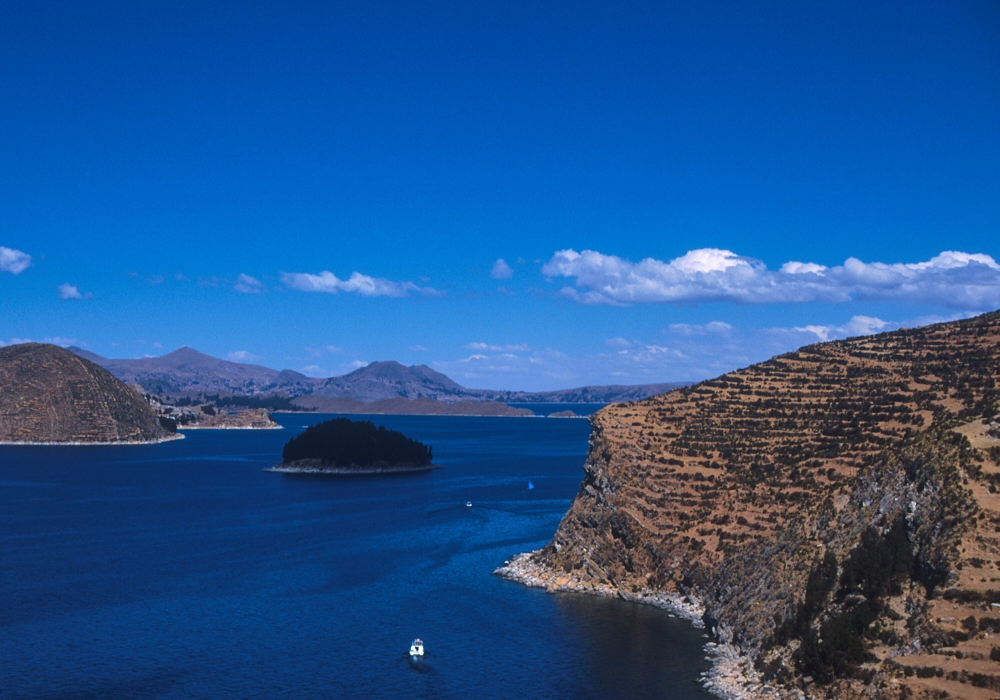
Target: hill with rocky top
[48,394]
[832,515]
[391,380]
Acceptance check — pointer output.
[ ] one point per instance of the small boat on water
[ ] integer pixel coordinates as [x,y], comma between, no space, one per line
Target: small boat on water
[468,504]
[417,648]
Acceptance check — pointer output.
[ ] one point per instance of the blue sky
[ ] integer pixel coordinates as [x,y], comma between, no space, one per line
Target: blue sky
[676,189]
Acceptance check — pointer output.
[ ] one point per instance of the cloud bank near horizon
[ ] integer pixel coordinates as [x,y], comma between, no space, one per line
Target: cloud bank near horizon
[683,352]
[953,279]
[357,283]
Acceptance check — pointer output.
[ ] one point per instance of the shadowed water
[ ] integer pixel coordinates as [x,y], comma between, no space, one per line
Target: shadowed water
[183,570]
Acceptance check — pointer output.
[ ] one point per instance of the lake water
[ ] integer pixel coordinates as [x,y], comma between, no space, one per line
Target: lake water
[183,570]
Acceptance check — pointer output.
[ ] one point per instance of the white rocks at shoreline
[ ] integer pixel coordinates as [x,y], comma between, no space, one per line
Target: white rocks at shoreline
[229,427]
[346,471]
[95,444]
[732,676]
[523,570]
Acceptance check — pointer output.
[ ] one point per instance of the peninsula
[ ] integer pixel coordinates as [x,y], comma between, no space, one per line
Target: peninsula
[343,446]
[51,395]
[830,515]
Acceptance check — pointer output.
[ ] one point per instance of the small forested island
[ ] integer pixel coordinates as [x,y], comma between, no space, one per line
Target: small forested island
[343,446]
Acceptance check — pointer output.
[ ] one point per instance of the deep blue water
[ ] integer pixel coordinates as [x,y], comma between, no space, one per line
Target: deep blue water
[183,570]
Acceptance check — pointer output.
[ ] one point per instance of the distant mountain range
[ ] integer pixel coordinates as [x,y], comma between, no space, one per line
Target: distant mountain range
[187,371]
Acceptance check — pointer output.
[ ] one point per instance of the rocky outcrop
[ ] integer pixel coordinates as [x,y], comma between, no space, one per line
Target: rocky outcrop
[834,511]
[50,395]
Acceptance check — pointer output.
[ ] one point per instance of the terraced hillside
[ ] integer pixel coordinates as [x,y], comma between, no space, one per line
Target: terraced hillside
[834,511]
[48,394]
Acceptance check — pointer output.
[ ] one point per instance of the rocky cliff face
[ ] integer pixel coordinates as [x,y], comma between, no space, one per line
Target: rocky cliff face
[832,515]
[48,394]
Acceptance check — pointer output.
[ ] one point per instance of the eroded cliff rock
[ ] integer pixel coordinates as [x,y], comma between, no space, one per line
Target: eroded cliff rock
[831,514]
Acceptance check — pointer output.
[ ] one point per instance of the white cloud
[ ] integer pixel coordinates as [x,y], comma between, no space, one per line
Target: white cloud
[637,348]
[799,268]
[245,284]
[242,356]
[858,325]
[711,328]
[318,352]
[481,347]
[952,279]
[13,261]
[417,348]
[501,270]
[71,291]
[357,283]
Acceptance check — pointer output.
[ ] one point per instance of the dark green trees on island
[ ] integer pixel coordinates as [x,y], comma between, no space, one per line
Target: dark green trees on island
[343,444]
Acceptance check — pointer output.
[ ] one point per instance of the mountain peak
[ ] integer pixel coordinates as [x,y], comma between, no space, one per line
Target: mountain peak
[187,354]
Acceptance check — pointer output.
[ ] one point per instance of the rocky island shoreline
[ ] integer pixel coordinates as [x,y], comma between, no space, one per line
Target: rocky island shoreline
[91,443]
[316,466]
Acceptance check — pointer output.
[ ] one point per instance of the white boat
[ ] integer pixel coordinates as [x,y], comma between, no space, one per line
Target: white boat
[468,504]
[417,648]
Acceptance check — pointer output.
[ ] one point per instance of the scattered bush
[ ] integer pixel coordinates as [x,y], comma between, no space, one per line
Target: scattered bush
[989,624]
